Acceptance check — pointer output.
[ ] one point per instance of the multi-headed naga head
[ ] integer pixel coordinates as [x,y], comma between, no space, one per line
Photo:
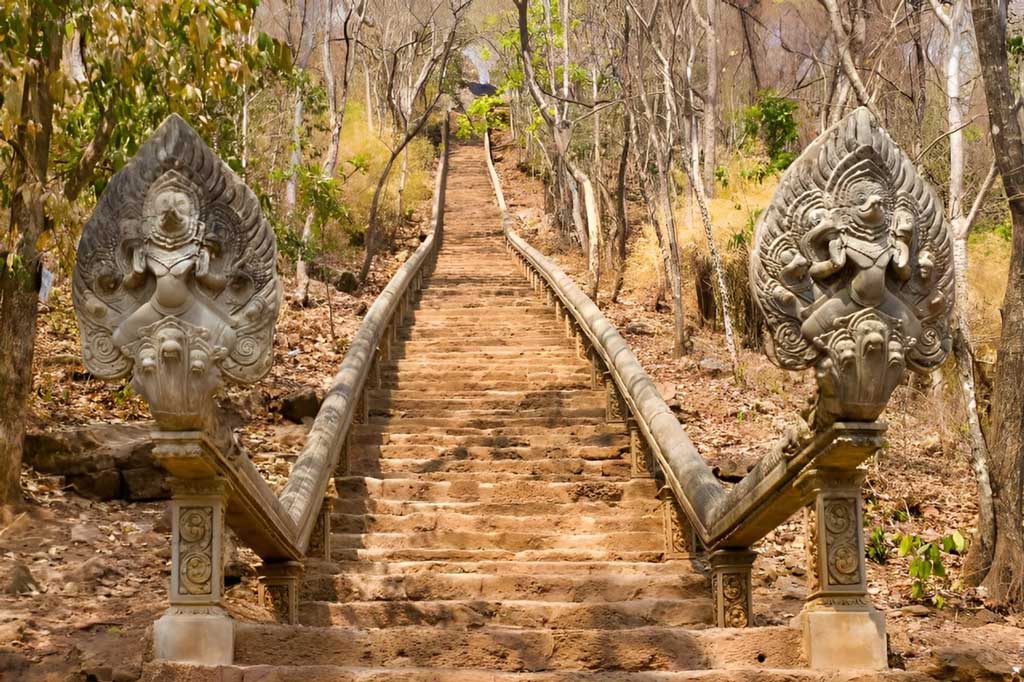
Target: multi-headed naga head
[175,281]
[852,269]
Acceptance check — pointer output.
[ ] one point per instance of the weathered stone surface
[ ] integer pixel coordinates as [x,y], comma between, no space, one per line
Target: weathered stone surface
[968,663]
[101,461]
[175,281]
[19,580]
[852,269]
[301,404]
[713,366]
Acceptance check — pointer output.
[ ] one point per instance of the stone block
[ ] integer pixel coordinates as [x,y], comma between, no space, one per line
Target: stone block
[200,636]
[838,639]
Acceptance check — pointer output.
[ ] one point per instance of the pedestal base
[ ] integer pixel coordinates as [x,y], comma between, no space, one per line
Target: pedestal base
[203,636]
[835,638]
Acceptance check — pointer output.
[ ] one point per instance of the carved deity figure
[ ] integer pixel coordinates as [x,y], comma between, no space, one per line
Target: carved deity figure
[176,279]
[852,269]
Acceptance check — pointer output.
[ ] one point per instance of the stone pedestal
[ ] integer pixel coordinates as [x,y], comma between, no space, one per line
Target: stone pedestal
[731,588]
[842,630]
[279,589]
[195,629]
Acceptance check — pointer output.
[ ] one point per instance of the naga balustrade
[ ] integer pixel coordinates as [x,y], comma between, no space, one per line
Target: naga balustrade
[852,269]
[176,285]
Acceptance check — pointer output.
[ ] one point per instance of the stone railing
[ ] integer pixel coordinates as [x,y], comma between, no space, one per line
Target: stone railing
[176,285]
[852,270]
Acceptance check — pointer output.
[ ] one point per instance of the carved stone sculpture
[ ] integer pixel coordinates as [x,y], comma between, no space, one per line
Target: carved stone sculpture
[175,280]
[852,269]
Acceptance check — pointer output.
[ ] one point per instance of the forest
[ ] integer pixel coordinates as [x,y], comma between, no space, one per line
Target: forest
[640,144]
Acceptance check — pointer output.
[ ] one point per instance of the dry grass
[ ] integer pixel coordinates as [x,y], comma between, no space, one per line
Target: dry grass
[989,254]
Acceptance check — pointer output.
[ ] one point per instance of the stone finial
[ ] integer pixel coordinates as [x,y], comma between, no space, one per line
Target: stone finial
[852,269]
[175,280]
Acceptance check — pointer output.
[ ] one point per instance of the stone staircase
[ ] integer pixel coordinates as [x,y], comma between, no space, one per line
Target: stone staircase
[487,527]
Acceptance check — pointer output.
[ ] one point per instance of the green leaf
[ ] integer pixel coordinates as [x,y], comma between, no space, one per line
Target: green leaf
[959,542]
[906,545]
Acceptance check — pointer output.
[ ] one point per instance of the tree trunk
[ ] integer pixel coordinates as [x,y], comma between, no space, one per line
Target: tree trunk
[621,224]
[19,284]
[1004,580]
[290,190]
[710,131]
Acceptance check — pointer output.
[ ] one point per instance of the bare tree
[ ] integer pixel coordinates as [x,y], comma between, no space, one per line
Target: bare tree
[1004,578]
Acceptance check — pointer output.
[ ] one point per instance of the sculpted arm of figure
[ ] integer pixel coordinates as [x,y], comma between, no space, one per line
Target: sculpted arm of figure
[205,277]
[137,276]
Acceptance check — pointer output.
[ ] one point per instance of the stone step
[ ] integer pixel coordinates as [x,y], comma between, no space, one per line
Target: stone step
[494,454]
[500,402]
[162,671]
[511,541]
[565,469]
[692,613]
[597,434]
[486,420]
[519,491]
[519,649]
[456,521]
[569,513]
[452,554]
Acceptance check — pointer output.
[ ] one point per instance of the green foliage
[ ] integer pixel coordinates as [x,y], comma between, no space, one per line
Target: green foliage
[927,570]
[744,238]
[483,115]
[722,176]
[141,62]
[878,546]
[771,122]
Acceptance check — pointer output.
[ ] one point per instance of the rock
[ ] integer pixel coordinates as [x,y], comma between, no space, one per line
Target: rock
[19,580]
[92,571]
[300,404]
[968,663]
[794,566]
[87,534]
[145,483]
[361,308]
[99,485]
[916,610]
[346,282]
[637,328]
[713,367]
[94,458]
[163,524]
[763,406]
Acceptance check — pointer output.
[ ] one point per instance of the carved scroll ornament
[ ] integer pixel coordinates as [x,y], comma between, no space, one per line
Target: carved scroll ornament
[175,280]
[853,271]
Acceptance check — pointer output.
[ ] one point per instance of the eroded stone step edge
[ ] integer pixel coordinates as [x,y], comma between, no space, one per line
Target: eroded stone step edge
[599,511]
[566,450]
[511,541]
[163,671]
[452,554]
[651,522]
[521,492]
[521,649]
[691,613]
[492,472]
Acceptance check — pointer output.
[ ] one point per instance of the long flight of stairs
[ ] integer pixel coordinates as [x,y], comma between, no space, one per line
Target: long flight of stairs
[487,528]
